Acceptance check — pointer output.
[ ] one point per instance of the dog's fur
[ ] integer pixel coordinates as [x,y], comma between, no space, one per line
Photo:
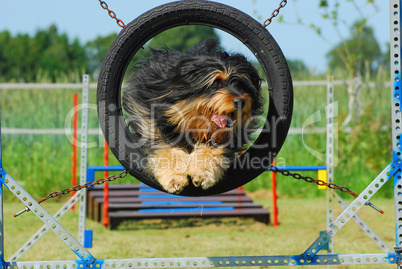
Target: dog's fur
[192,112]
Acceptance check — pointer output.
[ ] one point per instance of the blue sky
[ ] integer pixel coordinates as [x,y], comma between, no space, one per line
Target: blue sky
[85,19]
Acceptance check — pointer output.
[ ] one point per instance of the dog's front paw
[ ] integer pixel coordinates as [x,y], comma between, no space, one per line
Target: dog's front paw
[205,180]
[207,166]
[175,183]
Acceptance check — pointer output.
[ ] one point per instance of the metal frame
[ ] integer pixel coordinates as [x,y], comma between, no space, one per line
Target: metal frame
[309,257]
[331,114]
[84,159]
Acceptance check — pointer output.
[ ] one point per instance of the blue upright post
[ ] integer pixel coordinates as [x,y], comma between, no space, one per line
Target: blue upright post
[2,175]
[396,95]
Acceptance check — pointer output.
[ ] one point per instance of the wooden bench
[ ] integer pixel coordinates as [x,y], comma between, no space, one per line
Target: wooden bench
[138,202]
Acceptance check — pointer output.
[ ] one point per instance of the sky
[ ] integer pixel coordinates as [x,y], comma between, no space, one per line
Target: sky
[85,19]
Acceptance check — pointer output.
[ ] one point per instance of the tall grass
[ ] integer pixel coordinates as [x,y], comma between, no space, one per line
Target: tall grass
[364,148]
[42,163]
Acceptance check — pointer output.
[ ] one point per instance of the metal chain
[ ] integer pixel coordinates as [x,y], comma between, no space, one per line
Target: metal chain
[86,185]
[323,183]
[267,22]
[274,13]
[112,14]
[77,188]
[125,173]
[312,180]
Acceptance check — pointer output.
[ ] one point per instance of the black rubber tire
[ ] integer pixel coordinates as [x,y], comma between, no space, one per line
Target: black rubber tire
[238,24]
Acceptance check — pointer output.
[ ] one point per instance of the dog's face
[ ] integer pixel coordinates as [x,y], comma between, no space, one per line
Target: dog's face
[193,112]
[226,96]
[200,96]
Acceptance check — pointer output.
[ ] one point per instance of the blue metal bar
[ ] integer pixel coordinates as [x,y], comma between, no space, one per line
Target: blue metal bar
[2,262]
[106,168]
[231,261]
[2,175]
[301,168]
[92,169]
[396,101]
[147,189]
[194,209]
[162,196]
[1,164]
[194,203]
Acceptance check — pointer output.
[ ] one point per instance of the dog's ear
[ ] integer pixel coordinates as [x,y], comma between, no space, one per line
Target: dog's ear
[206,46]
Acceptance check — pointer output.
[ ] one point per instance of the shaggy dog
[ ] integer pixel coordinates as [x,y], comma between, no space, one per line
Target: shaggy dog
[192,112]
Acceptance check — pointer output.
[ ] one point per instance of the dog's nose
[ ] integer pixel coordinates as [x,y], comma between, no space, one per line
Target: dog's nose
[239,103]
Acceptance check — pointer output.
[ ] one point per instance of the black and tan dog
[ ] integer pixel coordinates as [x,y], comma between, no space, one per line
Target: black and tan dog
[192,112]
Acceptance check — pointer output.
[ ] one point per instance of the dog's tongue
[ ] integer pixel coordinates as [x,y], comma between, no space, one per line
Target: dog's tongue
[220,120]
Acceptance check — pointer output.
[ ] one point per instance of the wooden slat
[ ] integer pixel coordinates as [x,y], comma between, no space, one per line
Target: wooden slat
[97,203]
[133,190]
[137,201]
[259,214]
[98,214]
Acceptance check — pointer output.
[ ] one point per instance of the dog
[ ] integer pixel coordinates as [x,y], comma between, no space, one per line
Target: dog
[192,112]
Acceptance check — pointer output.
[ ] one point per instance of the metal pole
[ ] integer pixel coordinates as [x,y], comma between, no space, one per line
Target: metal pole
[331,113]
[2,174]
[84,152]
[395,61]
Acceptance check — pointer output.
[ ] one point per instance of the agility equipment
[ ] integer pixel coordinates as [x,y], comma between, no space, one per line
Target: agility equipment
[310,257]
[133,202]
[238,24]
[388,257]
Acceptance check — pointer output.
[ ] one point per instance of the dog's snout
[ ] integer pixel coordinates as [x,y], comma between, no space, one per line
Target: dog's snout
[239,103]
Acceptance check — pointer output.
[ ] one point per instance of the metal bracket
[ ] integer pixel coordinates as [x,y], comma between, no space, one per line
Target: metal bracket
[31,241]
[47,219]
[350,211]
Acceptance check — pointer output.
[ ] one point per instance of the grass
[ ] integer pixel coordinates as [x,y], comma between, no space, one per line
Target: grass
[300,223]
[42,162]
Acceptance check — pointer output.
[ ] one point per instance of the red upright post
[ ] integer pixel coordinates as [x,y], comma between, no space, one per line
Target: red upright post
[105,187]
[274,197]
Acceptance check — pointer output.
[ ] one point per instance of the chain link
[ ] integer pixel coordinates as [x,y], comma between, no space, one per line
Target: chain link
[267,22]
[86,185]
[275,13]
[312,180]
[112,14]
[76,188]
[125,173]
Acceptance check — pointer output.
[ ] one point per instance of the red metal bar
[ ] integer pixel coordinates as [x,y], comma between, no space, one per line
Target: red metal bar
[105,186]
[74,122]
[274,197]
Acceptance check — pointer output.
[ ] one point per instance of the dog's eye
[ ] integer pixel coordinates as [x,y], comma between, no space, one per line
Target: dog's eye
[217,82]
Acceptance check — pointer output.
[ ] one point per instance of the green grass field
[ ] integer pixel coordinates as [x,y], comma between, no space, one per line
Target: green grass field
[300,223]
[42,163]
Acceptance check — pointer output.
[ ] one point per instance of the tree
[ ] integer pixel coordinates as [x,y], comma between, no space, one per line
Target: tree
[48,54]
[179,38]
[359,51]
[349,52]
[183,37]
[95,52]
[25,58]
[298,69]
